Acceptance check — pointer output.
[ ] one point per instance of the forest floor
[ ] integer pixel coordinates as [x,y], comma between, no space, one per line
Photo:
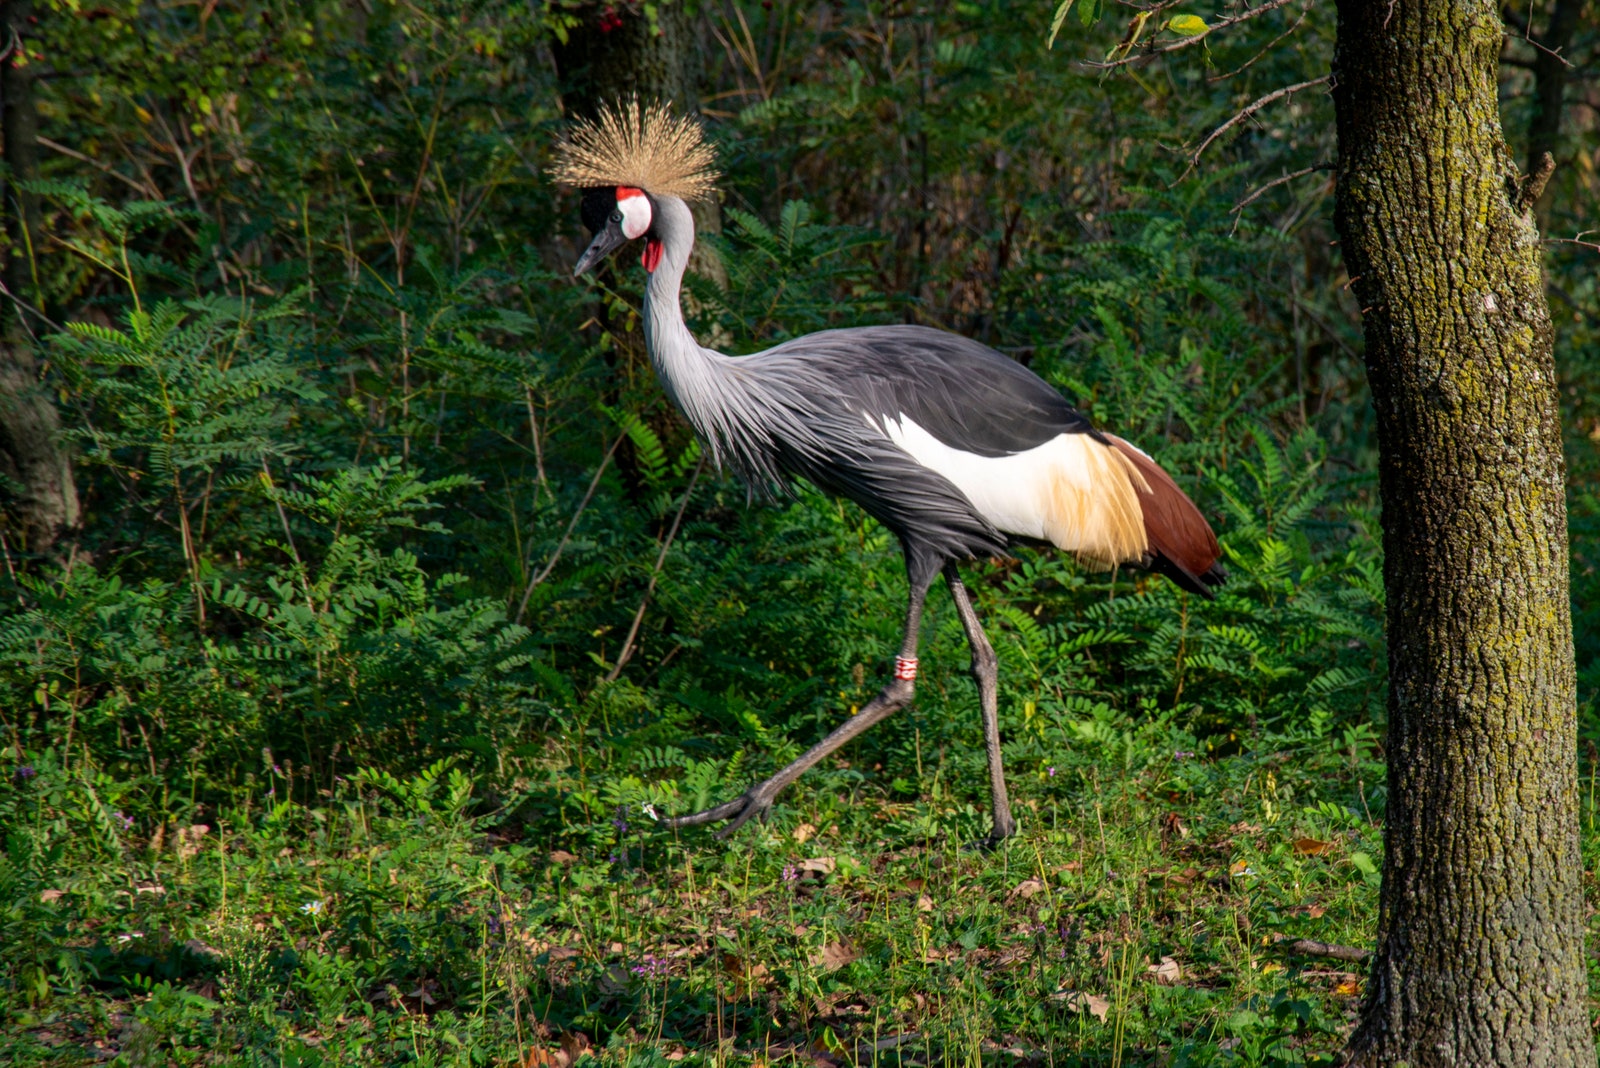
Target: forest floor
[1152,912]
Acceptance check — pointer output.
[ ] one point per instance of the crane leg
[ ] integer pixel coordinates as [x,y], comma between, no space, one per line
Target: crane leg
[986,670]
[893,697]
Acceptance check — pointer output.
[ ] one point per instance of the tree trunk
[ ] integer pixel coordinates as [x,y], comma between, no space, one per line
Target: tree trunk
[1480,936]
[35,474]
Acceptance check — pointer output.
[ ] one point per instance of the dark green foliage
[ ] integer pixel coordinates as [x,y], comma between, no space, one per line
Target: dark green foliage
[375,496]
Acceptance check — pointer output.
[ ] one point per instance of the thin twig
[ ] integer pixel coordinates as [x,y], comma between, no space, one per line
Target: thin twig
[650,589]
[1271,46]
[1248,110]
[24,306]
[1253,197]
[1534,181]
[103,168]
[1575,241]
[288,535]
[1188,41]
[1553,53]
[549,566]
[533,432]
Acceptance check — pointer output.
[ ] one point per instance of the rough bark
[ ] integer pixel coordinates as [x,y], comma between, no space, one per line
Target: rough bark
[36,485]
[1480,938]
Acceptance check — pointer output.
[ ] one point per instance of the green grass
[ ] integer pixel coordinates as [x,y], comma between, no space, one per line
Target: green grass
[395,922]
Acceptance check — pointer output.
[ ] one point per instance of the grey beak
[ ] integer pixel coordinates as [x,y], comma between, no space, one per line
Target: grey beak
[604,244]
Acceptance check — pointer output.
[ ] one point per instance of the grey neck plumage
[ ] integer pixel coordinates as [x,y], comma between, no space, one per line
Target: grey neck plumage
[719,400]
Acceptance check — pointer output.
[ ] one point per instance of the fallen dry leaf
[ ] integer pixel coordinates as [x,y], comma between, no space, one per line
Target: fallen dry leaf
[188,843]
[561,856]
[48,896]
[1311,847]
[924,903]
[819,865]
[1026,889]
[746,974]
[835,955]
[1245,828]
[915,885]
[1167,972]
[804,833]
[1078,1001]
[1348,989]
[1184,877]
[573,1046]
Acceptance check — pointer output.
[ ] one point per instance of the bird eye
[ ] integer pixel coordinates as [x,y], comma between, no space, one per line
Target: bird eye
[616,216]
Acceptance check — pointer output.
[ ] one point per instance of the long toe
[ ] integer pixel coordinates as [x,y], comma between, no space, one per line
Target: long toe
[726,810]
[756,804]
[989,843]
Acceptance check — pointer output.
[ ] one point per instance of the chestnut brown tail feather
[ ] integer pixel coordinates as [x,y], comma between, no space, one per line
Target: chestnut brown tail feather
[1182,545]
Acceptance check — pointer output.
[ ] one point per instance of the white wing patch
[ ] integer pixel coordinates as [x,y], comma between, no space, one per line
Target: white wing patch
[1072,491]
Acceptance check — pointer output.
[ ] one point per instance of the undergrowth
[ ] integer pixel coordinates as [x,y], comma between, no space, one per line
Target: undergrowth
[403,604]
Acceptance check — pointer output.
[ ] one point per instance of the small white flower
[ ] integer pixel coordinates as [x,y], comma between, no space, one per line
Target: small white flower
[130,936]
[650,810]
[312,908]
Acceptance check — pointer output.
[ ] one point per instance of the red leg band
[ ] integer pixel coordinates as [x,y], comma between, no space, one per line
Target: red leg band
[905,668]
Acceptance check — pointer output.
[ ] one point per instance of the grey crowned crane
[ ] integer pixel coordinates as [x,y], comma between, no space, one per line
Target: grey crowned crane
[957,449]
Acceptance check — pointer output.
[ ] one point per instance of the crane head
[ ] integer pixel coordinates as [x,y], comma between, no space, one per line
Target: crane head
[616,215]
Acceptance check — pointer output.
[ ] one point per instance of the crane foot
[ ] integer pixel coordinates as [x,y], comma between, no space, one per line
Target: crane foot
[1002,831]
[987,844]
[757,801]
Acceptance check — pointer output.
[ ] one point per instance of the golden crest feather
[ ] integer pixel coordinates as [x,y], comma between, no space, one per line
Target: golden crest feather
[644,146]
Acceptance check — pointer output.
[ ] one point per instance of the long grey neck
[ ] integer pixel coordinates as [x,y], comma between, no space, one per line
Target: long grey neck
[700,381]
[667,336]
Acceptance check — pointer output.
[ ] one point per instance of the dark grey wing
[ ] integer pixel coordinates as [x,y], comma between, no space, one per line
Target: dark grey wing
[841,455]
[964,393]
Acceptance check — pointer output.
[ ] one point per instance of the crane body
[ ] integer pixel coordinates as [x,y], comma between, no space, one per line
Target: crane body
[957,449]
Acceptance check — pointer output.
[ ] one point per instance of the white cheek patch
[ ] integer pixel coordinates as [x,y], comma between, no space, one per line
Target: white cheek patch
[635,209]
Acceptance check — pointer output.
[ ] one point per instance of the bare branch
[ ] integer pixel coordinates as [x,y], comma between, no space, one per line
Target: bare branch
[549,566]
[1534,181]
[1188,41]
[1311,948]
[1267,50]
[1553,53]
[1578,240]
[649,590]
[1253,197]
[153,194]
[1247,111]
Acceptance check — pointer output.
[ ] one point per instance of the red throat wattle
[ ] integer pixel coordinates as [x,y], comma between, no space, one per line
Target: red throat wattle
[652,255]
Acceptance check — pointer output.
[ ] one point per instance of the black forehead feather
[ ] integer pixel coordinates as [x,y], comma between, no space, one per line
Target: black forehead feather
[598,204]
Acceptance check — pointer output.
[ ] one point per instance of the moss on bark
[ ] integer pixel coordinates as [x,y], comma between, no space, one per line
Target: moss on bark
[36,486]
[1479,957]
